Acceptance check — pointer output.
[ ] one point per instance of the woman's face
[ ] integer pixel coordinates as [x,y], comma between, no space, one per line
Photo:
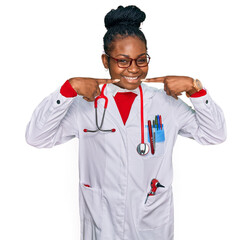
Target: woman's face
[129,47]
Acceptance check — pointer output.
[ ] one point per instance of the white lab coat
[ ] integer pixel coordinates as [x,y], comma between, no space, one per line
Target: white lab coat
[113,207]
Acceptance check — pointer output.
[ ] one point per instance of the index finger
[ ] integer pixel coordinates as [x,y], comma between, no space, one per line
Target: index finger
[104,81]
[157,79]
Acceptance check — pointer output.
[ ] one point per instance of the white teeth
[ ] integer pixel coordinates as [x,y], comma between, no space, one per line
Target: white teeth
[131,78]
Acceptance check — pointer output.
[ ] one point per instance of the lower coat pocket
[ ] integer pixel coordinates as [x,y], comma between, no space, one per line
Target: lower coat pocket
[157,211]
[91,205]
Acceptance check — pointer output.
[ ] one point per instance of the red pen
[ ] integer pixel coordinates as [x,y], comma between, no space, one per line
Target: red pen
[151,137]
[160,120]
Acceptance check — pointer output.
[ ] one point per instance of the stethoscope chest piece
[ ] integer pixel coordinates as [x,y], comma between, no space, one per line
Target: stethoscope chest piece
[143,149]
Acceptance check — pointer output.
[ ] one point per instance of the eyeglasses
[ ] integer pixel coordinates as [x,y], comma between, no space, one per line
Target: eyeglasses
[141,61]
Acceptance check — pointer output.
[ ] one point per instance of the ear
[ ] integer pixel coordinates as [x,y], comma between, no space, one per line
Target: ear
[105,61]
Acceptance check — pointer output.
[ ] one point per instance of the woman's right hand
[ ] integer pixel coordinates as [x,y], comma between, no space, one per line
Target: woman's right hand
[89,87]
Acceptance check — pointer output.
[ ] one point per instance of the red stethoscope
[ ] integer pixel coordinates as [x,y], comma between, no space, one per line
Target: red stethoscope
[142,148]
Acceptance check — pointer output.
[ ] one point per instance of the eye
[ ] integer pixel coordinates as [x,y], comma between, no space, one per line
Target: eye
[142,60]
[123,60]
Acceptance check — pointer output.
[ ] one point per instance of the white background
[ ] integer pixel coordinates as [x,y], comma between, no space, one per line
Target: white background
[43,43]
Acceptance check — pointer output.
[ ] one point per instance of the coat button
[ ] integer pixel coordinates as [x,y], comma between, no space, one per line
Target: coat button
[58,101]
[206,101]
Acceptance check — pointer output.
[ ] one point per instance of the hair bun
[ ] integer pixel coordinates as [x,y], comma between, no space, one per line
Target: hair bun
[128,16]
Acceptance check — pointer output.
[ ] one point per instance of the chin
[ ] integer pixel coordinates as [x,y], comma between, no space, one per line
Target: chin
[132,86]
[129,86]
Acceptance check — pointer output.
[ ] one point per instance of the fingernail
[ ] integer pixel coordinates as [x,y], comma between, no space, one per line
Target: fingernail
[116,80]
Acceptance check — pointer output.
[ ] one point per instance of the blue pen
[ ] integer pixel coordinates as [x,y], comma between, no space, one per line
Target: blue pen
[158,120]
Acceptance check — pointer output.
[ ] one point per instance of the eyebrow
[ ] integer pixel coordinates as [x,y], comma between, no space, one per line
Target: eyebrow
[124,55]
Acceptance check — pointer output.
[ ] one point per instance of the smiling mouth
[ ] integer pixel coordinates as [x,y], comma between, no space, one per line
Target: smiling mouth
[132,79]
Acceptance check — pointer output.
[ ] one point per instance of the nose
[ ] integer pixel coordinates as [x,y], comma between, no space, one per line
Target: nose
[133,68]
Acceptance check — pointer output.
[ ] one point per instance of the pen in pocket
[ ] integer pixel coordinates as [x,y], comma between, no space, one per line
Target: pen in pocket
[151,137]
[154,134]
[156,122]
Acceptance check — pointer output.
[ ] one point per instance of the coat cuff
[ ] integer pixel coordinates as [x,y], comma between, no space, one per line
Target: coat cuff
[67,90]
[202,102]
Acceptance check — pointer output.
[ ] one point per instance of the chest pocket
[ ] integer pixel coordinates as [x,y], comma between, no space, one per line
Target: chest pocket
[158,135]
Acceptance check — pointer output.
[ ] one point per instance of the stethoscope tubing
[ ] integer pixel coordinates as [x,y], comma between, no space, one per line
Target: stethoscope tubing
[99,127]
[142,114]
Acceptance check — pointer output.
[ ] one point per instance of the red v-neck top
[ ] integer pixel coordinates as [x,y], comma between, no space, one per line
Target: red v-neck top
[124,101]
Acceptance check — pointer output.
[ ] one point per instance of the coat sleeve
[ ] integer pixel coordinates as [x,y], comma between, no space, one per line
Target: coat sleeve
[53,122]
[205,124]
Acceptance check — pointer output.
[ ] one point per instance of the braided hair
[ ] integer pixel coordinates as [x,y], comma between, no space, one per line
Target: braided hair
[121,23]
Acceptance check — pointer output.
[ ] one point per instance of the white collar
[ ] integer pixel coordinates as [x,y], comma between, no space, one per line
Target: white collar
[115,89]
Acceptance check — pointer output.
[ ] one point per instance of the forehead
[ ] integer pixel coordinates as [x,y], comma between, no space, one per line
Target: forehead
[130,46]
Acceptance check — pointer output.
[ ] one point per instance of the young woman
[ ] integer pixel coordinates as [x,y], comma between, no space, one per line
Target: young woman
[125,156]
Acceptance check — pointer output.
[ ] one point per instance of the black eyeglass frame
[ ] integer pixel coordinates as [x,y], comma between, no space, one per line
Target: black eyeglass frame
[131,60]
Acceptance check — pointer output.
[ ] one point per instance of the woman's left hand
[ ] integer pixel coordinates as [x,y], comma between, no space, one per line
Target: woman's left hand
[174,85]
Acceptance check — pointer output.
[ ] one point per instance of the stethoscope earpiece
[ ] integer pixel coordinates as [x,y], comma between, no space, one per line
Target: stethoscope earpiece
[99,128]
